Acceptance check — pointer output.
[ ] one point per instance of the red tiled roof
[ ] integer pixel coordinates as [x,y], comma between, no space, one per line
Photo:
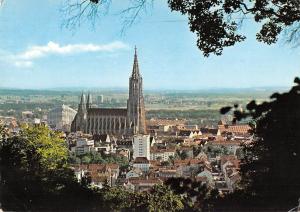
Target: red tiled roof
[241,128]
[168,170]
[96,178]
[232,158]
[112,166]
[185,132]
[212,131]
[162,150]
[142,160]
[188,162]
[145,181]
[94,167]
[154,122]
[155,162]
[223,142]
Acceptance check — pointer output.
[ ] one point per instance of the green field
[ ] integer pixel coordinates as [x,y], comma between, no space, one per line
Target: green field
[197,107]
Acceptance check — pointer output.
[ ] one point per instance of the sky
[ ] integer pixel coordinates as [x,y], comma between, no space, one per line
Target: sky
[37,52]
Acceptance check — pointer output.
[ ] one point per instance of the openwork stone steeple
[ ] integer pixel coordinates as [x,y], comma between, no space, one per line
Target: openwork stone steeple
[135,104]
[81,106]
[89,101]
[135,69]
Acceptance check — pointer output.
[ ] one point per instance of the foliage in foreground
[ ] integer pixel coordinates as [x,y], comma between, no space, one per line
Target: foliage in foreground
[34,170]
[270,169]
[160,198]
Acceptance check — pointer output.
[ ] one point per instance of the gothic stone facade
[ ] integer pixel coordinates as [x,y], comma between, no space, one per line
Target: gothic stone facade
[119,121]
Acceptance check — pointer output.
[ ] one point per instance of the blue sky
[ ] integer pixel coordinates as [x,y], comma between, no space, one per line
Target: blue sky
[37,52]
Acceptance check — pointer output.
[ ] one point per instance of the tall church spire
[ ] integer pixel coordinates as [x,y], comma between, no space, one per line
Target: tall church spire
[135,104]
[82,98]
[89,101]
[81,105]
[79,121]
[135,69]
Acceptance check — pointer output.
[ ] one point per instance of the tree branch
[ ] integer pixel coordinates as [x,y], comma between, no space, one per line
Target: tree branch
[77,11]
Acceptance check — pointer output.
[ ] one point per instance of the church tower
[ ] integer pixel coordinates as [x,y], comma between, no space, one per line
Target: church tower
[135,103]
[79,122]
[89,101]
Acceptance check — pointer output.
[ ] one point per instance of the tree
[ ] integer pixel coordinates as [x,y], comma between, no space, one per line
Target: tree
[49,148]
[270,166]
[171,159]
[197,195]
[86,159]
[197,150]
[182,155]
[159,158]
[214,151]
[164,199]
[166,163]
[216,23]
[78,11]
[160,198]
[73,159]
[34,171]
[118,198]
[96,157]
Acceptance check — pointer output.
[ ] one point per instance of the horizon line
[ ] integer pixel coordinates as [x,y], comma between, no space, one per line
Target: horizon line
[149,89]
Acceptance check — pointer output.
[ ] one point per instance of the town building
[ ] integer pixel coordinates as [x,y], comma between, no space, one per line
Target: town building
[61,117]
[236,129]
[162,153]
[135,172]
[100,174]
[141,184]
[231,146]
[168,172]
[100,99]
[142,163]
[83,146]
[141,146]
[230,167]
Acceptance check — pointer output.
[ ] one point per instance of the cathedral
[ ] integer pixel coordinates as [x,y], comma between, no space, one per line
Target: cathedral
[118,121]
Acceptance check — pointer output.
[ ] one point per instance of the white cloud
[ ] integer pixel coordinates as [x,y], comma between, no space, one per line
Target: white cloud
[26,58]
[35,52]
[25,64]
